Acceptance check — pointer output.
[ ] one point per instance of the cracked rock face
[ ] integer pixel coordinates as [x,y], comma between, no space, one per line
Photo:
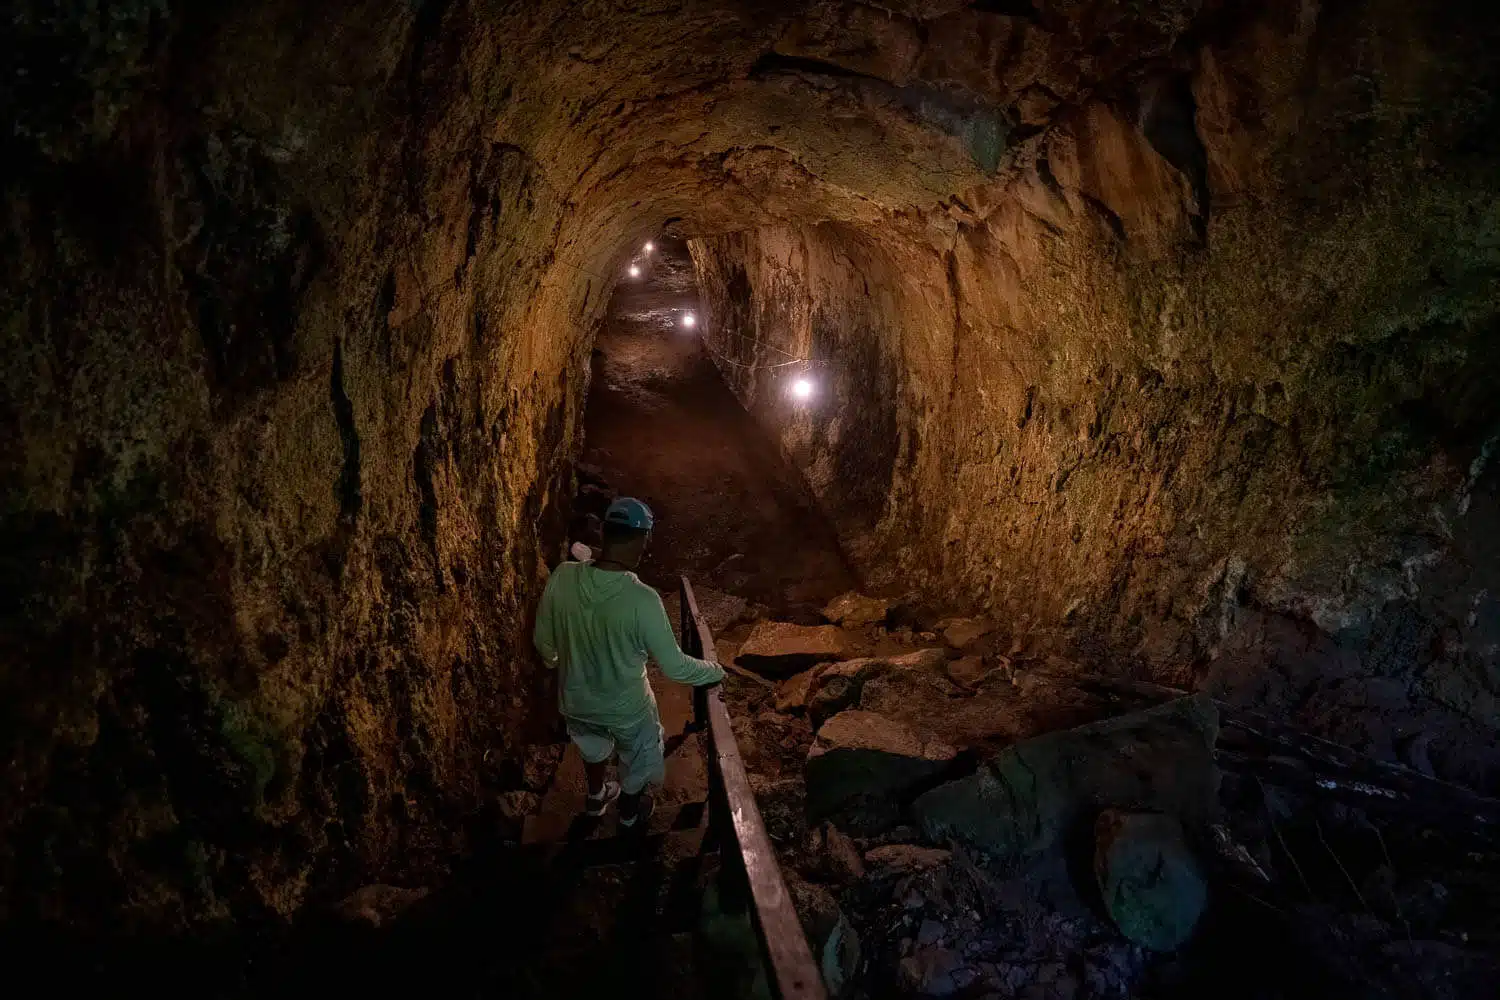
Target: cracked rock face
[1210,347]
[1132,318]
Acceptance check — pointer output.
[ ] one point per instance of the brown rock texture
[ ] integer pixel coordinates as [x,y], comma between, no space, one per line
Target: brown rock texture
[837,686]
[284,411]
[1130,320]
[791,694]
[905,856]
[1205,369]
[854,609]
[783,648]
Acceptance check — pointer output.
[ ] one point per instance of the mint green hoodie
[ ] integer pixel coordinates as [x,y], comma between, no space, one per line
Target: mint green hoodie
[598,626]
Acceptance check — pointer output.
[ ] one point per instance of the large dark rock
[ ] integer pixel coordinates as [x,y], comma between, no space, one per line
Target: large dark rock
[862,764]
[1470,686]
[1149,880]
[1025,799]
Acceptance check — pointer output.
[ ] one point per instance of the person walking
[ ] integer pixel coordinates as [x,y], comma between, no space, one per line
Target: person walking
[597,624]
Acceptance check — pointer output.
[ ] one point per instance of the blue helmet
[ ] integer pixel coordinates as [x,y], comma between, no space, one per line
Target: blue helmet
[631,513]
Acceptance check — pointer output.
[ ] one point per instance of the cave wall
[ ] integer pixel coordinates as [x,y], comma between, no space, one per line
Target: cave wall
[296,307]
[1203,381]
[292,374]
[1167,336]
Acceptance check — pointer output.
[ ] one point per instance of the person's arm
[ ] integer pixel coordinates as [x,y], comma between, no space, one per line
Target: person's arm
[543,636]
[656,633]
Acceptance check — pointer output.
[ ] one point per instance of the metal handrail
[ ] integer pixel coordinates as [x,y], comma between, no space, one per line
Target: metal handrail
[749,874]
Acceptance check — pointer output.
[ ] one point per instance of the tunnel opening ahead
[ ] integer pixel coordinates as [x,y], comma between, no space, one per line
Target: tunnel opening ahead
[660,424]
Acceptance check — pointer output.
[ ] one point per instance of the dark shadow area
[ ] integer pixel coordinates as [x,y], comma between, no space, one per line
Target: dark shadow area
[524,922]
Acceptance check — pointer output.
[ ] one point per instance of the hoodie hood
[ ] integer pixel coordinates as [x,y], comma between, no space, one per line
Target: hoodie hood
[599,585]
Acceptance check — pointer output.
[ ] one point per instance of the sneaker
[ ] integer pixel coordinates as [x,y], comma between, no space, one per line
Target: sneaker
[643,811]
[595,806]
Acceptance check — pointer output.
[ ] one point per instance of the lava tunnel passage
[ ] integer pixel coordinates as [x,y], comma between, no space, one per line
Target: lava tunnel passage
[1084,450]
[662,424]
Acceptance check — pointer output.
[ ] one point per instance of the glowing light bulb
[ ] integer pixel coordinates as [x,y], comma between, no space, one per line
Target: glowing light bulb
[635,272]
[802,388]
[649,247]
[688,319]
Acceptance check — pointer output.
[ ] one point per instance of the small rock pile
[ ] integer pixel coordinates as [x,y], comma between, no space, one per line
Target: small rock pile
[924,807]
[957,818]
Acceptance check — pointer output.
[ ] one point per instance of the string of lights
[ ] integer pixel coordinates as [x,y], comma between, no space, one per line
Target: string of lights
[755,366]
[802,388]
[762,343]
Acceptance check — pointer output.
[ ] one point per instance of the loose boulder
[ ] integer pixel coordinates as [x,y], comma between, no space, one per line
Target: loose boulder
[963,632]
[862,764]
[987,719]
[969,670]
[792,693]
[1150,882]
[838,686]
[1022,802]
[780,649]
[854,609]
[378,905]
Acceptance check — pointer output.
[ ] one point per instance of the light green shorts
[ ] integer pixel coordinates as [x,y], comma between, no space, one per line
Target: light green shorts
[640,746]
